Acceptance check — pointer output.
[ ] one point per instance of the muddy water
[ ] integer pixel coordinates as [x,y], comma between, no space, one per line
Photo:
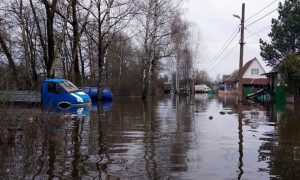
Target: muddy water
[203,137]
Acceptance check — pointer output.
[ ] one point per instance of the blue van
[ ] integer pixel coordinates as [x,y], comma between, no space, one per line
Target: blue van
[63,93]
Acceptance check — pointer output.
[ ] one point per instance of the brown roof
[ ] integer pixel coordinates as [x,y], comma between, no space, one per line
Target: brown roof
[250,81]
[235,75]
[225,77]
[247,65]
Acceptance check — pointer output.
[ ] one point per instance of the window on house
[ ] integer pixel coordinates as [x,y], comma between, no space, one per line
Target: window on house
[254,72]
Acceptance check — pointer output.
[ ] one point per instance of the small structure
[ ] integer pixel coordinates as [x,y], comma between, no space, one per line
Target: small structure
[168,87]
[252,79]
[229,85]
[275,85]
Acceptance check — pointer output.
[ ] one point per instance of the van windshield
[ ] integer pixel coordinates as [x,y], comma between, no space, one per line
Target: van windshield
[69,87]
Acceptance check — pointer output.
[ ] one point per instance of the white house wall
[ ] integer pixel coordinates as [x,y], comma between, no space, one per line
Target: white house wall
[254,65]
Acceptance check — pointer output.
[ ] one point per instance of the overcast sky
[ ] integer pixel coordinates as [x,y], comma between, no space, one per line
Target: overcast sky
[214,21]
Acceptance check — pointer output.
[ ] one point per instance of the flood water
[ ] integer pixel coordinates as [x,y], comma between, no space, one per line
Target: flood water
[202,137]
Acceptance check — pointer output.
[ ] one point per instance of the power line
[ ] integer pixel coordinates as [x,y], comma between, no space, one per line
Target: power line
[224,56]
[216,59]
[260,10]
[209,66]
[263,29]
[256,33]
[252,34]
[261,18]
[230,37]
[224,47]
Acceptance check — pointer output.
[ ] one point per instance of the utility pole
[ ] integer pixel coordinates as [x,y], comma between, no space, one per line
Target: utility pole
[241,54]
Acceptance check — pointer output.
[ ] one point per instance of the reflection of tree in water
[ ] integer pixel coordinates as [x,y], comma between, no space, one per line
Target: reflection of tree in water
[49,146]
[167,125]
[179,139]
[18,144]
[283,152]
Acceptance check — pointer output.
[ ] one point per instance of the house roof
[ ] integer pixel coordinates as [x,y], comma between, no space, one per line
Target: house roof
[225,77]
[273,71]
[247,65]
[234,77]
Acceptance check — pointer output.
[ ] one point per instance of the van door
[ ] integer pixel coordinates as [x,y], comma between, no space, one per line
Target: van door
[54,93]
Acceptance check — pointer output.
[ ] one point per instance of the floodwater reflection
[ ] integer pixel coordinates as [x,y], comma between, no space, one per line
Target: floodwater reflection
[200,137]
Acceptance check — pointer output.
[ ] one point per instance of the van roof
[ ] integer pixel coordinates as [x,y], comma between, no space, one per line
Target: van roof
[56,80]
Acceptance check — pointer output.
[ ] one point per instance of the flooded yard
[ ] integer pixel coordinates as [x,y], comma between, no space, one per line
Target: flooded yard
[201,137]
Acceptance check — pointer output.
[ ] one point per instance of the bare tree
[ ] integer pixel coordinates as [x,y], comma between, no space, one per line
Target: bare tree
[155,17]
[11,63]
[179,40]
[103,42]
[27,43]
[77,33]
[110,17]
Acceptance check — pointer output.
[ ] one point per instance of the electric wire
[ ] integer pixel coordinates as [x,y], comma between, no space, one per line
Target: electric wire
[215,60]
[229,52]
[256,34]
[259,31]
[224,57]
[261,18]
[252,34]
[260,11]
[224,47]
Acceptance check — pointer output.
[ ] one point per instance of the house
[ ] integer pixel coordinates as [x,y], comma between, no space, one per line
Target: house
[252,79]
[276,85]
[229,84]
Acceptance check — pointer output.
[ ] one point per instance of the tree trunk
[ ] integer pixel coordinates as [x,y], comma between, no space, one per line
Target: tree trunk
[60,40]
[82,65]
[75,59]
[100,55]
[11,63]
[50,12]
[50,39]
[40,34]
[145,84]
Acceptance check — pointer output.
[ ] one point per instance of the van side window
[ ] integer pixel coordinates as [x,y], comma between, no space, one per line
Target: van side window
[52,87]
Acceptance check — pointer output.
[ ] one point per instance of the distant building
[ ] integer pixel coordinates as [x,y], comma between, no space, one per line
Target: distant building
[167,87]
[252,79]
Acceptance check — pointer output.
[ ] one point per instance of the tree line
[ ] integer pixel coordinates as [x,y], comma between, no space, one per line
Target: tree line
[123,44]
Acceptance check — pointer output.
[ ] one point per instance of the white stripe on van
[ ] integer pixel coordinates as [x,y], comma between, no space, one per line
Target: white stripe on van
[79,99]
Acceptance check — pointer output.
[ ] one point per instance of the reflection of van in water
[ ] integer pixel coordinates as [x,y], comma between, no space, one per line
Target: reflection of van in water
[201,88]
[62,93]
